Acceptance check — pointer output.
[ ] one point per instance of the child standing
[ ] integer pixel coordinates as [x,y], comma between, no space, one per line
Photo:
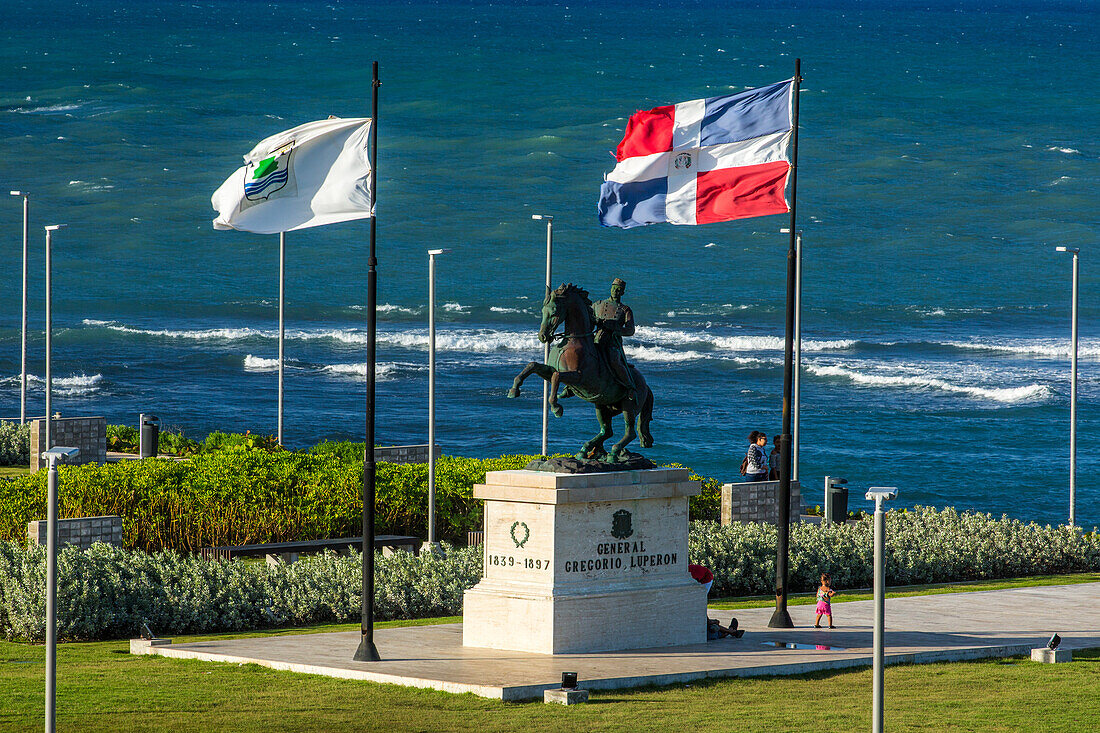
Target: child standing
[824,601]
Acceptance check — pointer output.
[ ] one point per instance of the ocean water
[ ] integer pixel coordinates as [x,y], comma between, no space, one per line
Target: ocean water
[945,150]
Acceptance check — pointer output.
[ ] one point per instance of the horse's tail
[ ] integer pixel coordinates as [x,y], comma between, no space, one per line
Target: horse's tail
[644,418]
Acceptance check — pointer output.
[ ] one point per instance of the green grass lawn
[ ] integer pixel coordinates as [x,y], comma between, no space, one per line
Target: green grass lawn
[101,687]
[14,471]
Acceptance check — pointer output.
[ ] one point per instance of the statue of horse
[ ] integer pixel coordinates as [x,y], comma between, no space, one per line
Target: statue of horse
[577,362]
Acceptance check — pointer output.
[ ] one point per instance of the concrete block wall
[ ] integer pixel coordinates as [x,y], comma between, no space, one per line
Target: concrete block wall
[81,532]
[405,453]
[757,501]
[89,434]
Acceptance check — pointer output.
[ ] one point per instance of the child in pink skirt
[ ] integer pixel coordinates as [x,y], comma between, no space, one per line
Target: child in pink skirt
[824,604]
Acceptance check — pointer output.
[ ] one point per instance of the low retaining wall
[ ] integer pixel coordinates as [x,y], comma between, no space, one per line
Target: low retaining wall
[89,434]
[757,501]
[404,453]
[81,532]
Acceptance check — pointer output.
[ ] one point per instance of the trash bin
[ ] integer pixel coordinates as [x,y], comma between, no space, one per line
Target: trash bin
[149,427]
[836,504]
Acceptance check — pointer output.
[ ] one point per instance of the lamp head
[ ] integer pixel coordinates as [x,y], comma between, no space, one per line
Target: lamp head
[18,193]
[882,492]
[55,227]
[59,452]
[568,680]
[540,217]
[1074,250]
[434,252]
[1054,642]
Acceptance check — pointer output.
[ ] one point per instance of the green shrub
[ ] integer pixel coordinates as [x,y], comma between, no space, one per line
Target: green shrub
[172,441]
[223,441]
[344,450]
[239,496]
[924,545]
[15,444]
[107,593]
[122,439]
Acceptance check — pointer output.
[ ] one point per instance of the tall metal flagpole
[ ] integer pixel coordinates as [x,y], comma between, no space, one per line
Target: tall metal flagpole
[781,619]
[282,284]
[367,652]
[797,357]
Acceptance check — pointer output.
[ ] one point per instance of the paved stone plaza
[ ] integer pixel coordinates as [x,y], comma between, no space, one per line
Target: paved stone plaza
[947,627]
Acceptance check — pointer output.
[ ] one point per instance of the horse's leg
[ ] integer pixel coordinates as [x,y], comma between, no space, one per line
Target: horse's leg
[560,378]
[594,448]
[645,411]
[532,367]
[644,418]
[630,409]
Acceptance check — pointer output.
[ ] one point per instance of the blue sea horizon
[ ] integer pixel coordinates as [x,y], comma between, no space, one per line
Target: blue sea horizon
[946,149]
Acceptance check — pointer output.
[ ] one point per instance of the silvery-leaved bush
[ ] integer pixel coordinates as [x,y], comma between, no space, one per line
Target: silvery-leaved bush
[107,592]
[15,443]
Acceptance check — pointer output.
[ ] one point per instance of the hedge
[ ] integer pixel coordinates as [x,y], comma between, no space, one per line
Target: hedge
[107,592]
[244,495]
[924,545]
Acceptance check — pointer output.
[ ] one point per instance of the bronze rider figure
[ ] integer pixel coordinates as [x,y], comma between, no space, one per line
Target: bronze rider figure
[614,319]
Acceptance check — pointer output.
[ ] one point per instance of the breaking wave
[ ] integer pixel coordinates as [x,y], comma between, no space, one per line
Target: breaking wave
[1024,393]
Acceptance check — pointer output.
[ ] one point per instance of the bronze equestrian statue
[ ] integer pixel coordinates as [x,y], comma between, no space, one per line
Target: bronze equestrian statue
[588,359]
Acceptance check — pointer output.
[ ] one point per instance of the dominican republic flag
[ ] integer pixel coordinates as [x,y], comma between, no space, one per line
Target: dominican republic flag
[703,161]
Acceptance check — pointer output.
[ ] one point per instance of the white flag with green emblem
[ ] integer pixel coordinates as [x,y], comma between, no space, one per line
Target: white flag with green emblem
[315,174]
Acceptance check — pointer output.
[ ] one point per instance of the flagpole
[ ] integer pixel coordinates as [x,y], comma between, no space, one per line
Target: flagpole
[367,652]
[781,619]
[282,284]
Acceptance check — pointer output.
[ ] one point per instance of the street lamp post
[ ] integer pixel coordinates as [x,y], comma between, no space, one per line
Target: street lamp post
[432,254]
[880,494]
[23,338]
[1076,252]
[52,455]
[49,332]
[546,347]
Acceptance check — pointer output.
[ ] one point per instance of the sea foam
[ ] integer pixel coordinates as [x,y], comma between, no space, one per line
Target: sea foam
[1004,394]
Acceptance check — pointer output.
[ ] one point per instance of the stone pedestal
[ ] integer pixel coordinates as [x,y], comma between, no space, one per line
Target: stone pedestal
[565,697]
[1051,656]
[585,563]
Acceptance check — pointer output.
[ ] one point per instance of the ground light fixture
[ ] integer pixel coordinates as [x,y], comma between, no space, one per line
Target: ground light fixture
[53,455]
[1054,642]
[880,495]
[568,680]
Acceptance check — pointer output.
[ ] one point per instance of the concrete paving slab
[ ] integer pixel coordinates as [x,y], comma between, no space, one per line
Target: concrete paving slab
[949,627]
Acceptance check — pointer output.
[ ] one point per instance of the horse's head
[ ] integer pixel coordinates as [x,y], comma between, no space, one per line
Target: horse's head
[568,304]
[552,315]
